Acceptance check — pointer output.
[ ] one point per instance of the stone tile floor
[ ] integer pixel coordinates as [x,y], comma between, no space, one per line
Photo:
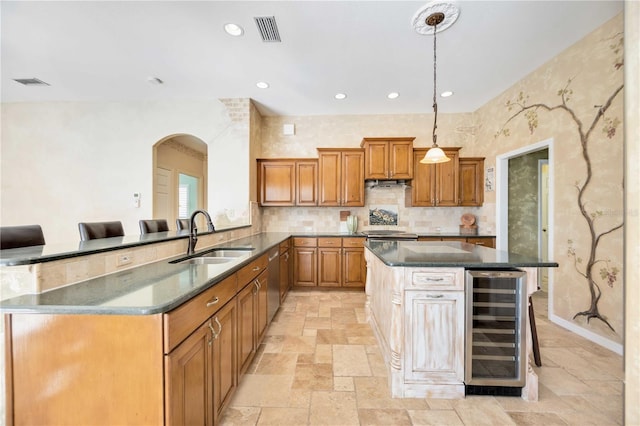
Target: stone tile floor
[319,364]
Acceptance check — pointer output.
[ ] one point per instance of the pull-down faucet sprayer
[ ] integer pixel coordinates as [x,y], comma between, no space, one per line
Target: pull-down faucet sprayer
[193,231]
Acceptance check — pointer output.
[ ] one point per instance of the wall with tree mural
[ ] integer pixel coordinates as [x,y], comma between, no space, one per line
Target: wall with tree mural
[576,99]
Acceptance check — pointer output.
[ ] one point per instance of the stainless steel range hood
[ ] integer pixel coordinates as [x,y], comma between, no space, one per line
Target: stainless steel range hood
[376,183]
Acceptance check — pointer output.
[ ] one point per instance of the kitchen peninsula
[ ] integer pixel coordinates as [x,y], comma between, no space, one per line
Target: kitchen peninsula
[421,304]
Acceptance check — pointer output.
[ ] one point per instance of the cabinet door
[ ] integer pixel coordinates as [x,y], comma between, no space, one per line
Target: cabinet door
[306,183]
[262,314]
[353,178]
[377,160]
[329,266]
[401,160]
[304,265]
[434,336]
[277,183]
[285,274]
[422,185]
[446,176]
[225,358]
[246,326]
[329,178]
[471,191]
[189,383]
[354,267]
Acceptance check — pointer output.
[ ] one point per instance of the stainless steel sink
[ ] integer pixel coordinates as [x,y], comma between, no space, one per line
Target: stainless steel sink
[217,256]
[208,260]
[228,253]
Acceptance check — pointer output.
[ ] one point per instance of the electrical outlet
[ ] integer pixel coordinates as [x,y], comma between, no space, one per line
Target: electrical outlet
[124,259]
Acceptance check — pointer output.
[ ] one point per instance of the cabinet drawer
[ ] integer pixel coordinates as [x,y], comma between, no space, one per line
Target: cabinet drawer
[482,241]
[184,319]
[353,242]
[305,242]
[330,242]
[285,245]
[435,278]
[252,270]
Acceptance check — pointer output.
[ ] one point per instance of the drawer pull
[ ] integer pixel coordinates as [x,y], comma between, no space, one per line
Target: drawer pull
[256,268]
[213,301]
[434,296]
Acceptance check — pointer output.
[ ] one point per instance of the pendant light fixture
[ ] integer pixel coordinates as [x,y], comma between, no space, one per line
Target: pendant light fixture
[436,14]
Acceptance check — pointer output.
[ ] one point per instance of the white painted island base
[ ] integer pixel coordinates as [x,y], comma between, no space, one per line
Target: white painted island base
[418,317]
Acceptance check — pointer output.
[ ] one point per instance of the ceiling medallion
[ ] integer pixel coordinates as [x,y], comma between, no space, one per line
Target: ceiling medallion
[450,13]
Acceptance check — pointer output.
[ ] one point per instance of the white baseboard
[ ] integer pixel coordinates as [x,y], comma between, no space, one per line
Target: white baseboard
[589,335]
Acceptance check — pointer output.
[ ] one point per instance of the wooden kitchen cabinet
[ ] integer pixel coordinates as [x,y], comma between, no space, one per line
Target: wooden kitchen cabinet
[341,177]
[286,269]
[471,180]
[388,158]
[304,262]
[252,310]
[354,267]
[288,182]
[434,185]
[480,241]
[434,325]
[329,262]
[224,358]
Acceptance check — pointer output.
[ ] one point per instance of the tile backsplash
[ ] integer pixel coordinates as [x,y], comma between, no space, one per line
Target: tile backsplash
[414,219]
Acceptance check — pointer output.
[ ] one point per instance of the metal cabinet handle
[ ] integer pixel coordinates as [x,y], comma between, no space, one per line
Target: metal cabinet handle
[219,327]
[256,268]
[435,296]
[435,279]
[213,302]
[213,332]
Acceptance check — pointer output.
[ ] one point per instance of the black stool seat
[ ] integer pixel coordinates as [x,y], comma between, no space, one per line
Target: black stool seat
[96,230]
[153,225]
[182,224]
[20,236]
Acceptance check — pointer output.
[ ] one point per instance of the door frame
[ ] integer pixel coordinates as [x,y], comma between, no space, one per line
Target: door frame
[502,200]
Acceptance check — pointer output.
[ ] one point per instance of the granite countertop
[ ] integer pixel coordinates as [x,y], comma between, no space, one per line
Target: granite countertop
[148,289]
[449,254]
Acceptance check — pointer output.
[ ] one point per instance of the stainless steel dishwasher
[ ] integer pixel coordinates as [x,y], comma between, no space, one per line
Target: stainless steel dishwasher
[273,283]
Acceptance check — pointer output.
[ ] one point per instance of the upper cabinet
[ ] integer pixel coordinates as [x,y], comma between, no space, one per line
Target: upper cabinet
[288,182]
[341,177]
[388,158]
[471,191]
[434,185]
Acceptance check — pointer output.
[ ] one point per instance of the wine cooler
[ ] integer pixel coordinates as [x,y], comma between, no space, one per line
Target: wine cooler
[496,304]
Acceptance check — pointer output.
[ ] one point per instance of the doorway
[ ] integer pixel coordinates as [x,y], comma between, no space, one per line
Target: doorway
[524,221]
[180,177]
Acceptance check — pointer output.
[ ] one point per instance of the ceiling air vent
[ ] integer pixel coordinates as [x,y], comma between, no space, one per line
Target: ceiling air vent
[31,82]
[268,28]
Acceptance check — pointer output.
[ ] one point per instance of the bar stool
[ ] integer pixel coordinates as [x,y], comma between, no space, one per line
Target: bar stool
[182,224]
[153,225]
[97,230]
[21,236]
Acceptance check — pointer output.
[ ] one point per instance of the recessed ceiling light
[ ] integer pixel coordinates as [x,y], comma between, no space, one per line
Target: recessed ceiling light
[446,94]
[262,85]
[233,30]
[393,95]
[340,96]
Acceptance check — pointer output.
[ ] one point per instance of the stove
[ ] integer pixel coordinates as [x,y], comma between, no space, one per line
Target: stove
[390,235]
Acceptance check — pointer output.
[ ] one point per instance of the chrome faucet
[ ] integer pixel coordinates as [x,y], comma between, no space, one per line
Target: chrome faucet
[193,231]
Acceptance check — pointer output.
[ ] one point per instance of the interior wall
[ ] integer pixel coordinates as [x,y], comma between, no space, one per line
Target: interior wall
[588,73]
[69,162]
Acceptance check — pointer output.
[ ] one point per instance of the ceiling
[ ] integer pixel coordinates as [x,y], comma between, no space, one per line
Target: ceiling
[107,50]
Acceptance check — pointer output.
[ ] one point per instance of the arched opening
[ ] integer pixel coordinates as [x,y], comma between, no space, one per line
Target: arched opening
[179,177]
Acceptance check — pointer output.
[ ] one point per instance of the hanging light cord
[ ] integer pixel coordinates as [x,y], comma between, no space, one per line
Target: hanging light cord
[435,104]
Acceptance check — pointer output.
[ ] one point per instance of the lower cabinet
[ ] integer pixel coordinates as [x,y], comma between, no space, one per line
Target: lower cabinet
[434,329]
[225,358]
[252,319]
[330,262]
[286,269]
[479,241]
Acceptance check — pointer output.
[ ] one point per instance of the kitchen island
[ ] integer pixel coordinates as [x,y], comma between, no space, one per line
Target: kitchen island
[416,305]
